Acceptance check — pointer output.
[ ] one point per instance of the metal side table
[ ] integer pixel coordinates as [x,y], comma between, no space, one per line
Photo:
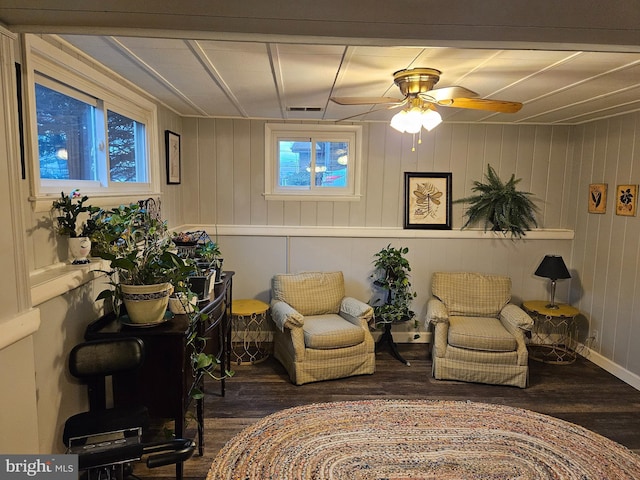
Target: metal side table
[553,333]
[249,332]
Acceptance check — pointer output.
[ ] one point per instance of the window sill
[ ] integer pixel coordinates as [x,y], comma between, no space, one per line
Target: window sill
[58,279]
[43,203]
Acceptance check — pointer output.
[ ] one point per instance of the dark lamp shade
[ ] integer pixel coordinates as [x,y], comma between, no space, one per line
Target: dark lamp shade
[553,267]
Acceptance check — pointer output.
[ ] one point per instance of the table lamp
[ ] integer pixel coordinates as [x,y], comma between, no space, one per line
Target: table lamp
[552,267]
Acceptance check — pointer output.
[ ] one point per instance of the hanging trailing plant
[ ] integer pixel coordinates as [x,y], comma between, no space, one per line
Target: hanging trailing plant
[500,206]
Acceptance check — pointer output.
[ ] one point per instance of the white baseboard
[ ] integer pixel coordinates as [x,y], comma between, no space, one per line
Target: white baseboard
[610,366]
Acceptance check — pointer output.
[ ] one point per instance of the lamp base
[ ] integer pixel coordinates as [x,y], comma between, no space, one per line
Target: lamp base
[552,306]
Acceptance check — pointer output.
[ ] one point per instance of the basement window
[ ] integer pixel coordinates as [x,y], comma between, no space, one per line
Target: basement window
[89,132]
[312,162]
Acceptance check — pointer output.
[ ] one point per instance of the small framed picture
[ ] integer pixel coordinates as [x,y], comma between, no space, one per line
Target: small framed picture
[626,200]
[427,200]
[597,198]
[172,144]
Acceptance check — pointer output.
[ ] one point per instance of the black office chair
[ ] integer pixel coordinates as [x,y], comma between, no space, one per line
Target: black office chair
[107,440]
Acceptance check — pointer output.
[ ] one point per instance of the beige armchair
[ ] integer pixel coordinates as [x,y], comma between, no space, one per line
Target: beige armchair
[478,336]
[320,334]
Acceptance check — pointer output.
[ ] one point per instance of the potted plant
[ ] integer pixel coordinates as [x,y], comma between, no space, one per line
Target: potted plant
[392,287]
[67,210]
[145,269]
[206,255]
[500,206]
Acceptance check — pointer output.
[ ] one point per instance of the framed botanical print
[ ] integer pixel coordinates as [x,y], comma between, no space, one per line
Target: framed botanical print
[172,143]
[597,198]
[626,200]
[427,200]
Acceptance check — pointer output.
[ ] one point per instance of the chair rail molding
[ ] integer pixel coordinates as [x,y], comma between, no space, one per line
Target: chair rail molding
[369,232]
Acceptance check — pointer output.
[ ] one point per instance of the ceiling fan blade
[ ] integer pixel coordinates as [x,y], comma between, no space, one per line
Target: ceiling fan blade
[373,111]
[502,106]
[364,100]
[447,93]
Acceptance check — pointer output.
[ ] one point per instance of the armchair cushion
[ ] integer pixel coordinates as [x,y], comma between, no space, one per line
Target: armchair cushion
[310,293]
[331,331]
[476,333]
[472,294]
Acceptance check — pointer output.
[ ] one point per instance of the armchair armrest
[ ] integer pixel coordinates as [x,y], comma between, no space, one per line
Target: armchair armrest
[356,311]
[285,316]
[436,312]
[516,317]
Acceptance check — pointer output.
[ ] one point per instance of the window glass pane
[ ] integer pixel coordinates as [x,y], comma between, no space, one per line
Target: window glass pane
[294,163]
[331,164]
[66,129]
[126,149]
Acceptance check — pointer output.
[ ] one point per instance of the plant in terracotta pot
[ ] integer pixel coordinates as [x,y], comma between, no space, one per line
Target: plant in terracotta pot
[500,207]
[68,210]
[145,267]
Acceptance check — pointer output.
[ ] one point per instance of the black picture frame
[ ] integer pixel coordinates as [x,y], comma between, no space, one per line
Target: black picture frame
[427,200]
[174,167]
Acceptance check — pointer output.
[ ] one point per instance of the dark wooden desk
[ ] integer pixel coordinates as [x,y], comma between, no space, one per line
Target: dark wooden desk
[166,380]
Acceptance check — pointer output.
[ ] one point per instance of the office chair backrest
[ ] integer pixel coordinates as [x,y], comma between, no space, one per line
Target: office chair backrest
[93,361]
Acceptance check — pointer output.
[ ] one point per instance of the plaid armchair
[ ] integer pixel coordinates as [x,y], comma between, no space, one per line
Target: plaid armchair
[320,334]
[478,336]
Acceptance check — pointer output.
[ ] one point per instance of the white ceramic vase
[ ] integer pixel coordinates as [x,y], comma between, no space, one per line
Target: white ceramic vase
[79,249]
[179,303]
[146,304]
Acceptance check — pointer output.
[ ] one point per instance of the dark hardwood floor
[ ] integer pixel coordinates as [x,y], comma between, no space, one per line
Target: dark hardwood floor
[580,393]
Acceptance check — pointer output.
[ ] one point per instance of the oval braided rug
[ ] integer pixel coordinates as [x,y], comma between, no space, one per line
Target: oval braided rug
[402,440]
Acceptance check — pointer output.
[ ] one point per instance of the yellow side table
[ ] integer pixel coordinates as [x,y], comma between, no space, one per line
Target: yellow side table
[249,331]
[553,332]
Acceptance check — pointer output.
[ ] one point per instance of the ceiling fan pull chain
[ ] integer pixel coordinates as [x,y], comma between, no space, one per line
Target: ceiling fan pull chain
[413,145]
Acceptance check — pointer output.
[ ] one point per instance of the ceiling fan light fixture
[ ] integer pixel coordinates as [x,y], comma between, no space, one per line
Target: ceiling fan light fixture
[431,119]
[413,119]
[398,121]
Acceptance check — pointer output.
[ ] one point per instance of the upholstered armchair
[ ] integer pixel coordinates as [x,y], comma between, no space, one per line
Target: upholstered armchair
[478,336]
[320,334]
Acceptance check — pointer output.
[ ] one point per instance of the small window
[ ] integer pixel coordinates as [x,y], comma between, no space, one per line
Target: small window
[312,162]
[92,133]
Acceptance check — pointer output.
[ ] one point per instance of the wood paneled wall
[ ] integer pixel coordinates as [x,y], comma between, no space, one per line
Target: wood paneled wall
[223,171]
[606,249]
[223,181]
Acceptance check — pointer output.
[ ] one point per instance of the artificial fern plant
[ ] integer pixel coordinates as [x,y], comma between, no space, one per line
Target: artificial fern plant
[500,206]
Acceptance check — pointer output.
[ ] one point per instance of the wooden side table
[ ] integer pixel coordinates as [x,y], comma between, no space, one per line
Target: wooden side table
[553,332]
[249,332]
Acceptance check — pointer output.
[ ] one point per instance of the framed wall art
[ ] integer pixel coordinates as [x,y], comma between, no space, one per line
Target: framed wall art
[597,198]
[626,200]
[427,201]
[172,144]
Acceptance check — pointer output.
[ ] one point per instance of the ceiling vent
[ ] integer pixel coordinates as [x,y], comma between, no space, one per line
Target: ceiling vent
[304,109]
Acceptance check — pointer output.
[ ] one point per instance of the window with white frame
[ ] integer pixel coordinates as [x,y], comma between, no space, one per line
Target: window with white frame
[312,162]
[89,132]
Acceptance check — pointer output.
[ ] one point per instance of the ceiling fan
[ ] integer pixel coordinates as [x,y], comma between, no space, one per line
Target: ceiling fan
[416,85]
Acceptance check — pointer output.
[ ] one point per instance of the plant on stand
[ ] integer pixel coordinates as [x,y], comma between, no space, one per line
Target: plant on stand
[142,254]
[393,295]
[68,209]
